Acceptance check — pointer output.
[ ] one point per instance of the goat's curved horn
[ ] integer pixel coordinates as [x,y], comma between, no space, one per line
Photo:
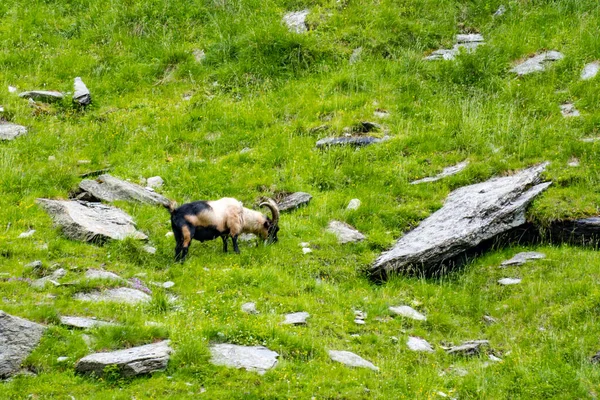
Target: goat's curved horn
[271,205]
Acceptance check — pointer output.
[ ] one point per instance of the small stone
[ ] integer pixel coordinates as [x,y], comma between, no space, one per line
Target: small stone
[101,274]
[350,359]
[27,234]
[298,318]
[418,344]
[294,200]
[42,95]
[149,249]
[359,321]
[448,171]
[81,93]
[37,264]
[355,57]
[249,308]
[522,258]
[304,244]
[494,358]
[509,281]
[83,322]
[344,232]
[255,358]
[10,131]
[573,162]
[168,284]
[168,234]
[537,63]
[199,55]
[489,320]
[356,141]
[469,348]
[590,70]
[296,21]
[306,250]
[353,204]
[247,237]
[245,150]
[52,278]
[408,312]
[358,314]
[12,89]
[568,110]
[155,182]
[500,11]
[62,359]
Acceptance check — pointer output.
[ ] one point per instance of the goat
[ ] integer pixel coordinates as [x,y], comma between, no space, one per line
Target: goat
[226,217]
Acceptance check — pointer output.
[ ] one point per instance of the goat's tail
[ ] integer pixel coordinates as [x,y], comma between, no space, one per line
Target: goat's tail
[171,206]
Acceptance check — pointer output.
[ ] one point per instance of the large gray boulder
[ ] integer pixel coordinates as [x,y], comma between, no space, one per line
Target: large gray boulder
[131,362]
[10,131]
[251,358]
[293,201]
[46,96]
[470,216]
[91,222]
[18,338]
[108,188]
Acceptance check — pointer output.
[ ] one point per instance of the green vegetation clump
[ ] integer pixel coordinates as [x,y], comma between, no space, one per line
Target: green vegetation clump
[160,109]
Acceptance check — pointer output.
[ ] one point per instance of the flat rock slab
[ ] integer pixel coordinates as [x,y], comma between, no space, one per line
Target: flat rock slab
[350,359]
[249,308]
[537,63]
[568,110]
[108,188]
[356,141]
[131,362]
[294,200]
[509,281]
[470,215]
[353,204]
[10,131]
[83,322]
[251,358]
[470,348]
[448,171]
[46,96]
[297,318]
[81,94]
[408,312]
[418,344]
[18,338]
[522,258]
[296,21]
[101,274]
[468,42]
[52,278]
[91,222]
[344,232]
[590,70]
[118,295]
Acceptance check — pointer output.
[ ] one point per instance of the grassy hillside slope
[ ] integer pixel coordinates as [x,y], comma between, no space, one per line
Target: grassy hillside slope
[158,111]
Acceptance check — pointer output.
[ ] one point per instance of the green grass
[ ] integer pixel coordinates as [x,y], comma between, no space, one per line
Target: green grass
[264,88]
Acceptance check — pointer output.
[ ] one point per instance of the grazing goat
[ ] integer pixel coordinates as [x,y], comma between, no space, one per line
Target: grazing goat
[226,217]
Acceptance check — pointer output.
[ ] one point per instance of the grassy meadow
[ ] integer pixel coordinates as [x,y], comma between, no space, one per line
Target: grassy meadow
[158,111]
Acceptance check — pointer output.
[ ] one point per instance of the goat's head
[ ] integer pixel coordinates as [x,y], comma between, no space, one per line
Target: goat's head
[271,225]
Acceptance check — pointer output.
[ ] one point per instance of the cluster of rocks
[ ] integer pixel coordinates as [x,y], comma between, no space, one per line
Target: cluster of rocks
[468,42]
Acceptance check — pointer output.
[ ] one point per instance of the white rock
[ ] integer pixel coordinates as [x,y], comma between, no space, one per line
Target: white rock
[537,63]
[500,11]
[298,318]
[509,281]
[306,250]
[52,278]
[249,308]
[408,312]
[118,295]
[350,359]
[522,258]
[418,344]
[355,56]
[62,359]
[573,162]
[155,182]
[256,358]
[494,358]
[304,244]
[101,274]
[149,249]
[12,89]
[590,70]
[296,21]
[27,234]
[448,171]
[199,55]
[168,284]
[568,110]
[353,204]
[344,232]
[168,234]
[10,131]
[83,322]
[381,113]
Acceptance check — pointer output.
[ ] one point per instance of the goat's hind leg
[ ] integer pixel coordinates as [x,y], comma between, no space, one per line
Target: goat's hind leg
[224,237]
[234,239]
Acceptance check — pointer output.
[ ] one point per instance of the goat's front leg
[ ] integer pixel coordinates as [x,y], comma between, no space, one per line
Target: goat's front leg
[234,239]
[224,237]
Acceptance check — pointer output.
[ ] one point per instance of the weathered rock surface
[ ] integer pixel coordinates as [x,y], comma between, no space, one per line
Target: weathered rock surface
[249,308]
[590,70]
[296,21]
[568,110]
[522,258]
[448,171]
[379,113]
[418,344]
[83,322]
[10,131]
[155,182]
[509,281]
[199,55]
[117,295]
[254,358]
[81,94]
[101,274]
[353,204]
[91,222]
[468,42]
[109,188]
[297,318]
[537,63]
[52,278]
[350,359]
[45,96]
[470,348]
[470,215]
[584,231]
[359,317]
[18,338]
[489,320]
[131,362]
[355,56]
[344,232]
[408,312]
[294,200]
[348,141]
[27,234]
[500,11]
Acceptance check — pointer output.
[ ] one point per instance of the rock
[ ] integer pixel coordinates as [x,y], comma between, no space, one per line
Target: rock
[81,93]
[306,250]
[573,162]
[537,63]
[350,359]
[249,308]
[469,38]
[469,348]
[101,274]
[379,113]
[468,42]
[408,312]
[509,281]
[355,56]
[304,244]
[109,188]
[131,362]
[255,358]
[199,55]
[52,278]
[155,182]
[43,96]
[35,265]
[418,344]
[522,258]
[18,338]
[568,110]
[348,141]
[500,11]
[12,89]
[245,150]
[118,295]
[595,358]
[494,358]
[149,249]
[168,234]
[359,317]
[298,318]
[294,200]
[10,131]
[62,359]
[83,322]
[344,232]
[448,171]
[489,320]
[27,234]
[579,232]
[168,284]
[296,21]
[471,215]
[247,237]
[91,222]
[353,204]
[590,70]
